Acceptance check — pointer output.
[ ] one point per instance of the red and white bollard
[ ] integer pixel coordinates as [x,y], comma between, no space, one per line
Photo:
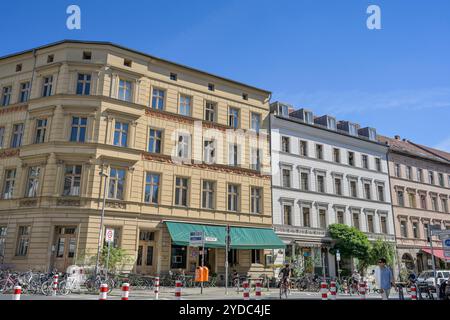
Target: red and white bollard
[324,290]
[178,290]
[362,290]
[17,293]
[55,284]
[125,291]
[103,292]
[413,292]
[246,292]
[258,290]
[156,288]
[333,290]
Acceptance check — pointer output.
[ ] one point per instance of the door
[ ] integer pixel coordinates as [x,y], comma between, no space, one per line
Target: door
[64,247]
[145,263]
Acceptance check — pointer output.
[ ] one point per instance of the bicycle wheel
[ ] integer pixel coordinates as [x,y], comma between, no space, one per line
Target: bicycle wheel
[6,286]
[46,288]
[64,288]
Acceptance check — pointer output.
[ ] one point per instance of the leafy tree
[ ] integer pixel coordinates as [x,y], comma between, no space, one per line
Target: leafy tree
[382,249]
[118,258]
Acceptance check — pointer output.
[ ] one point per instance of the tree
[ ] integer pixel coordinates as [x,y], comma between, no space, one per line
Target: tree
[118,258]
[382,249]
[351,243]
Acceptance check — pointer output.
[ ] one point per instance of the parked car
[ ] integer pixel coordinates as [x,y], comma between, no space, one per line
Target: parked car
[428,277]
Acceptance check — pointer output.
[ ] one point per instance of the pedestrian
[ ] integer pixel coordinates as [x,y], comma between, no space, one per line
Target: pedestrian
[386,279]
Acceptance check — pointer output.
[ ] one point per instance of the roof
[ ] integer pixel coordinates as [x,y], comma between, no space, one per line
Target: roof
[407,147]
[439,153]
[107,43]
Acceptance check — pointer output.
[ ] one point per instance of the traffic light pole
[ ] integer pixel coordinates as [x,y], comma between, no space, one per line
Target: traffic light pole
[227,247]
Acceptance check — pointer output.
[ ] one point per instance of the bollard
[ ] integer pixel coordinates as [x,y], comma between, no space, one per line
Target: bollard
[17,292]
[333,290]
[55,284]
[413,292]
[246,292]
[178,290]
[125,291]
[103,291]
[156,288]
[258,290]
[324,290]
[362,290]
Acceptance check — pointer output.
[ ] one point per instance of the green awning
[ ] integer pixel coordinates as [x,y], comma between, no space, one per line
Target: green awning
[241,237]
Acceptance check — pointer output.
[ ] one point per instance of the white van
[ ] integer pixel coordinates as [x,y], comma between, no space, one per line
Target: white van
[428,277]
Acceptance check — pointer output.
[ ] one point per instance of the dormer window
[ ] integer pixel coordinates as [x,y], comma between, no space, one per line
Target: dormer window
[211,87]
[50,58]
[18,67]
[87,55]
[173,76]
[283,110]
[127,62]
[245,96]
[352,129]
[309,117]
[372,134]
[331,123]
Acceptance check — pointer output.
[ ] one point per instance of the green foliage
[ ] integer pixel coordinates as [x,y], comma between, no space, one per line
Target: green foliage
[382,249]
[118,258]
[350,242]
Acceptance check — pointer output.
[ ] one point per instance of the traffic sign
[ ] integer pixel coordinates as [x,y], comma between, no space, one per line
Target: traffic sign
[211,239]
[109,237]
[196,238]
[446,247]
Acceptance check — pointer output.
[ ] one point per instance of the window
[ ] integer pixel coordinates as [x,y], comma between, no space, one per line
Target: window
[41,128]
[2,136]
[47,86]
[233,154]
[383,223]
[185,105]
[245,96]
[154,141]
[151,187]
[353,189]
[233,118]
[233,197]
[419,175]
[32,185]
[178,257]
[415,229]
[116,184]
[8,184]
[72,180]
[322,219]
[283,110]
[423,201]
[18,67]
[340,217]
[444,205]
[256,200]
[434,203]
[211,87]
[431,177]
[306,217]
[372,134]
[256,256]
[23,241]
[285,145]
[209,151]
[352,129]
[233,257]
[78,129]
[3,231]
[321,183]
[173,76]
[397,170]
[183,146]
[351,158]
[370,225]
[16,140]
[6,96]
[287,215]
[331,123]
[208,194]
[400,198]
[87,55]
[50,58]
[356,220]
[120,134]
[412,199]
[255,121]
[84,84]
[127,62]
[158,99]
[255,159]
[181,191]
[403,229]
[210,111]
[367,191]
[380,189]
[303,148]
[378,164]
[336,155]
[309,117]
[408,173]
[441,179]
[365,161]
[124,90]
[286,177]
[426,229]
[24,91]
[145,235]
[338,186]
[319,151]
[304,181]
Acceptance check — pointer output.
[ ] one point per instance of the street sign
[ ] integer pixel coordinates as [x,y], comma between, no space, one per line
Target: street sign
[211,239]
[109,237]
[443,234]
[446,247]
[196,238]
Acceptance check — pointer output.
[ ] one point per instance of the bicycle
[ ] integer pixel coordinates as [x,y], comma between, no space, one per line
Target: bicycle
[284,288]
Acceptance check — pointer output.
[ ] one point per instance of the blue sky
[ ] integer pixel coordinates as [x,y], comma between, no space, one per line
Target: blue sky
[314,54]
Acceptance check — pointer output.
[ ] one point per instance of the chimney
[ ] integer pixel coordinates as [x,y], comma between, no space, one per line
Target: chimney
[397,137]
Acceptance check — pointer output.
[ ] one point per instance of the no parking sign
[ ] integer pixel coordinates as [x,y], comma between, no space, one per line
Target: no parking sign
[109,237]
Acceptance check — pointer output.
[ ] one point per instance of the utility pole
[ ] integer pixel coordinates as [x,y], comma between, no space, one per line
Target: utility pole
[430,239]
[102,174]
[227,248]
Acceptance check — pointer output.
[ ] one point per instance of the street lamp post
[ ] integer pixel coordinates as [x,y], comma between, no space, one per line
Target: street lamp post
[102,174]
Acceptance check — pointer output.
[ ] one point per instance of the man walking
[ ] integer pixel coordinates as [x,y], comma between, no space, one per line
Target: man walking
[386,279]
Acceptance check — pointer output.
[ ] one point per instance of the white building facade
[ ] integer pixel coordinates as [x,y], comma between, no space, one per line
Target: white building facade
[325,172]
